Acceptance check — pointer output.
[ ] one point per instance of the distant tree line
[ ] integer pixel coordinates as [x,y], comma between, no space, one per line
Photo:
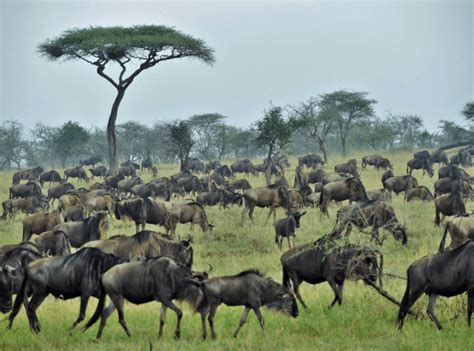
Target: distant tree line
[337,122]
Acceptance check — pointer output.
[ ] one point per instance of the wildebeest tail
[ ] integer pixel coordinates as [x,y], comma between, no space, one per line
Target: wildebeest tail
[286,279]
[443,239]
[98,310]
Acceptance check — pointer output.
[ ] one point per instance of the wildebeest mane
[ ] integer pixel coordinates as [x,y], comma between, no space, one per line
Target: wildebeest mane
[250,271]
[21,254]
[130,208]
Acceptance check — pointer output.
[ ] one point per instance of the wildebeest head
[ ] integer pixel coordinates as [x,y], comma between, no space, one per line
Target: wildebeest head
[297,215]
[285,198]
[186,253]
[280,298]
[362,264]
[399,232]
[7,278]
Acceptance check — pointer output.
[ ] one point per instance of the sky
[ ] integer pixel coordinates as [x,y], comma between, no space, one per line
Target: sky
[413,57]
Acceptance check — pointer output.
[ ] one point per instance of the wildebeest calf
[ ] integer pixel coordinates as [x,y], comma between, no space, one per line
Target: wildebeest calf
[286,227]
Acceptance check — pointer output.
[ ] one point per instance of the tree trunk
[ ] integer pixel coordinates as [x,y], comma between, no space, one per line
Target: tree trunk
[268,168]
[343,143]
[322,147]
[111,135]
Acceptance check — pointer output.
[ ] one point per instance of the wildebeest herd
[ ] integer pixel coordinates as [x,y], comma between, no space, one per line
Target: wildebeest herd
[65,250]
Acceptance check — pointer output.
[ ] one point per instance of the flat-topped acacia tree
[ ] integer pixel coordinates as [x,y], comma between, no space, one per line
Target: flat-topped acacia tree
[135,48]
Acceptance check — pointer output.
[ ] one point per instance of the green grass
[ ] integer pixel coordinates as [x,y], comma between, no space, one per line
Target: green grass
[364,321]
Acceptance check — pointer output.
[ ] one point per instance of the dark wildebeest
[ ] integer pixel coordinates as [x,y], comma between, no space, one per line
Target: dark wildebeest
[91,161]
[128,171]
[112,181]
[197,166]
[39,223]
[182,174]
[439,156]
[448,185]
[211,198]
[155,279]
[12,274]
[314,198]
[31,174]
[449,205]
[76,172]
[419,193]
[423,164]
[370,213]
[242,184]
[76,275]
[99,171]
[97,186]
[379,194]
[460,229]
[51,177]
[446,274]
[348,168]
[243,166]
[142,211]
[333,177]
[190,184]
[251,289]
[383,163]
[147,244]
[463,157]
[130,163]
[125,185]
[350,189]
[324,260]
[224,171]
[269,196]
[400,184]
[57,191]
[371,160]
[74,214]
[310,161]
[145,190]
[191,212]
[80,232]
[154,172]
[286,227]
[454,172]
[25,190]
[53,243]
[212,165]
[146,164]
[27,205]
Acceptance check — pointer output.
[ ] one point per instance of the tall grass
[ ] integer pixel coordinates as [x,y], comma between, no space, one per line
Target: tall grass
[364,321]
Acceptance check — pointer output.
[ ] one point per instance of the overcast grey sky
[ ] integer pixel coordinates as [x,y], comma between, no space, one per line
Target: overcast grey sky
[412,56]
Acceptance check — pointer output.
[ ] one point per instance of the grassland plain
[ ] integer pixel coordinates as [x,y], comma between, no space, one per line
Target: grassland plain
[364,321]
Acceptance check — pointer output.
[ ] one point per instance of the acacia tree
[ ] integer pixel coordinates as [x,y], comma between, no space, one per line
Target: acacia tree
[274,132]
[351,106]
[181,142]
[468,111]
[138,48]
[207,134]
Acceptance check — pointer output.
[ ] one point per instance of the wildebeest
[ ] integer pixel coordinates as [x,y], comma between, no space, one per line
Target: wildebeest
[350,189]
[419,193]
[460,229]
[81,232]
[25,190]
[39,223]
[463,157]
[124,186]
[51,177]
[142,211]
[112,181]
[242,184]
[323,260]
[224,171]
[74,214]
[68,200]
[147,244]
[375,160]
[447,274]
[31,174]
[399,184]
[76,275]
[370,213]
[155,279]
[314,198]
[146,164]
[128,171]
[53,243]
[91,161]
[182,174]
[103,202]
[423,164]
[12,273]
[154,172]
[99,171]
[454,172]
[27,205]
[449,205]
[191,212]
[190,184]
[379,194]
[243,166]
[76,172]
[270,196]
[310,161]
[251,289]
[447,185]
[59,190]
[348,168]
[195,165]
[286,227]
[212,165]
[439,156]
[332,177]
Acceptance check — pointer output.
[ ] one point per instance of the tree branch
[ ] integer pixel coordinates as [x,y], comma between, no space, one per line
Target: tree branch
[100,72]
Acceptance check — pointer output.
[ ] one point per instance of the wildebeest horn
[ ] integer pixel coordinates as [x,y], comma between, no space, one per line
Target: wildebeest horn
[381,271]
[210,269]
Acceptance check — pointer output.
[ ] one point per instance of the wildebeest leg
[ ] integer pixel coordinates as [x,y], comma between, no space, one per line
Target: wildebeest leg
[470,304]
[118,302]
[210,319]
[242,320]
[296,283]
[82,311]
[103,319]
[162,320]
[203,323]
[337,293]
[269,214]
[33,305]
[409,298]
[179,314]
[244,212]
[16,307]
[431,310]
[259,316]
[437,220]
[143,225]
